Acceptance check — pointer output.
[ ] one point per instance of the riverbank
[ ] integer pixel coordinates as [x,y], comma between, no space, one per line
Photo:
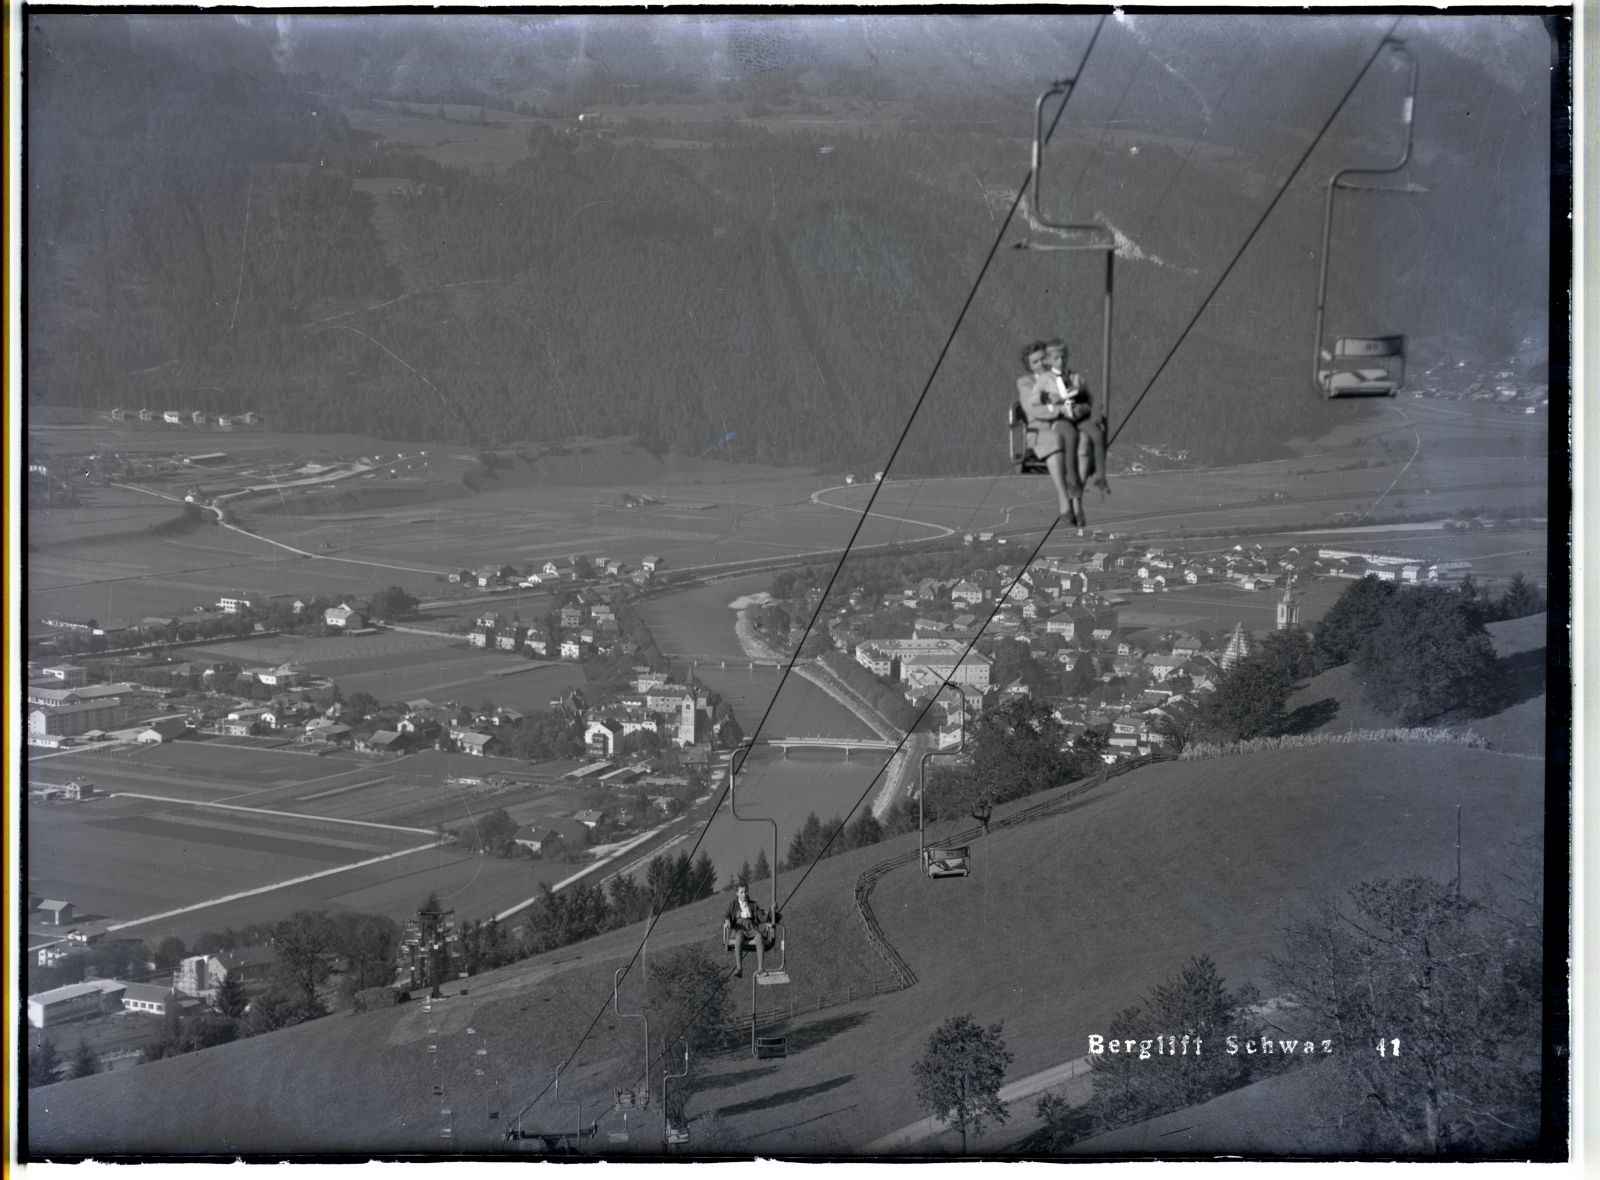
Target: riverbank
[897,777]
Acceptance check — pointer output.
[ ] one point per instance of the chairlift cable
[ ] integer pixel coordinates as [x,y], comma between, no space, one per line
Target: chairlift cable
[1000,601]
[1383,44]
[738,759]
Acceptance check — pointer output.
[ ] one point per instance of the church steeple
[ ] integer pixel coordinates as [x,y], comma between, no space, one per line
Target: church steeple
[1288,607]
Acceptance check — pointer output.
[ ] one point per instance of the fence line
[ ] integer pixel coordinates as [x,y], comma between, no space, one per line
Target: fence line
[904,975]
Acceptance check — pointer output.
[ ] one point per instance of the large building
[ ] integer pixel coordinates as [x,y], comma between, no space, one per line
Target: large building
[73,1001]
[679,705]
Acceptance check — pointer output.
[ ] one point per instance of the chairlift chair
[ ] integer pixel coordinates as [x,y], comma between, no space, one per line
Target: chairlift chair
[1363,366]
[941,860]
[771,931]
[1068,236]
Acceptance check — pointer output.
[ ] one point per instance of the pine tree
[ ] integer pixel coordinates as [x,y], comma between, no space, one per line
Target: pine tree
[232,999]
[762,869]
[43,1063]
[85,1062]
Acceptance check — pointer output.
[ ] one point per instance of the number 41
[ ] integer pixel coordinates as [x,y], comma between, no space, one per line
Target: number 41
[1391,1047]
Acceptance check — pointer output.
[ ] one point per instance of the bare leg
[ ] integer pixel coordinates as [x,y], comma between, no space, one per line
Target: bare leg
[1056,464]
[1092,455]
[760,944]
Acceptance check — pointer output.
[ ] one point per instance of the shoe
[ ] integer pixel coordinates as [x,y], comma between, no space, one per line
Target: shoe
[739,974]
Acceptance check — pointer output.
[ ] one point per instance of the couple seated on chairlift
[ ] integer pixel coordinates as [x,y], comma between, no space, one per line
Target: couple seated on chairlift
[1057,405]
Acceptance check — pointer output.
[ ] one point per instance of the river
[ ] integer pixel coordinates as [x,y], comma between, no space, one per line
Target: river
[700,622]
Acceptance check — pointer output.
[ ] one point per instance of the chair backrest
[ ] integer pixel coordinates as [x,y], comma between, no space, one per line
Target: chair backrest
[772,1047]
[1356,347]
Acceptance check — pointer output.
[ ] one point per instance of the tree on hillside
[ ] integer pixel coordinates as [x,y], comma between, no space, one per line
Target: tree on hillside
[368,943]
[85,1061]
[169,952]
[1456,982]
[560,919]
[1427,655]
[1017,748]
[1521,598]
[1249,701]
[273,1009]
[688,1001]
[1193,1002]
[232,999]
[302,944]
[1353,616]
[493,832]
[960,1074]
[43,1063]
[1291,652]
[393,603]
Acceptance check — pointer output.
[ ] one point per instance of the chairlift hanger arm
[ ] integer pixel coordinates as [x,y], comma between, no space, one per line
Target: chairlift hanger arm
[1339,180]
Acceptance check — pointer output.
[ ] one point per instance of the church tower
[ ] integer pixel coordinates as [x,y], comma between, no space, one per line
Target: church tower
[1288,608]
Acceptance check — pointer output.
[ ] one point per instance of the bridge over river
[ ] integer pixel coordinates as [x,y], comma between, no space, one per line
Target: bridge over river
[848,745]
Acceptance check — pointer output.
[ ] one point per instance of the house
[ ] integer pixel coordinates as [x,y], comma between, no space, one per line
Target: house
[148,997]
[235,603]
[163,729]
[591,818]
[968,592]
[241,723]
[511,637]
[878,662]
[536,641]
[536,839]
[344,616]
[651,564]
[479,745]
[601,735]
[70,675]
[571,649]
[571,616]
[55,913]
[174,417]
[381,741]
[283,676]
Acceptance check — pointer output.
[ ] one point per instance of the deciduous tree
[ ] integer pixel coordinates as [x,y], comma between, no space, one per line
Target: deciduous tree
[960,1074]
[1435,998]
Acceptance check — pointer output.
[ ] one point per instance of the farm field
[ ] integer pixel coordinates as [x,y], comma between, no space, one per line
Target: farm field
[408,666]
[203,768]
[1218,606]
[367,535]
[474,886]
[411,791]
[124,858]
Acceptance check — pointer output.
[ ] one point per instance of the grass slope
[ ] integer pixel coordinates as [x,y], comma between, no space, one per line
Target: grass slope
[1517,727]
[1064,922]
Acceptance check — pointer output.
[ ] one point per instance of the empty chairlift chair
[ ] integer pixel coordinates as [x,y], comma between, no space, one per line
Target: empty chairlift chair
[1363,366]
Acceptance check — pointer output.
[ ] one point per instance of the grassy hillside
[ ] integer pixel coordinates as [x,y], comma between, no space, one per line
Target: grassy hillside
[1064,921]
[1515,727]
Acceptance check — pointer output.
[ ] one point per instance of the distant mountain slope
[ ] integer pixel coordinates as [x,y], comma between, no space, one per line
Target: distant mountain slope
[214,243]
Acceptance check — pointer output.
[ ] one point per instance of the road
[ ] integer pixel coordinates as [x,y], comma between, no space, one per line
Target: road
[940,531]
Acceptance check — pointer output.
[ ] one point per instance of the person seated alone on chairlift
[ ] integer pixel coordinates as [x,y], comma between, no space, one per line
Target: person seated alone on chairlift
[745,920]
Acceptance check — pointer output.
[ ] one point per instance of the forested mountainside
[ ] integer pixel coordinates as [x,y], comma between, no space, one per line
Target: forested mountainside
[221,239]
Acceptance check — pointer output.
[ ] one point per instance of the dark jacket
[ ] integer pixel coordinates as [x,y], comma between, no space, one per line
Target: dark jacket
[757,914]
